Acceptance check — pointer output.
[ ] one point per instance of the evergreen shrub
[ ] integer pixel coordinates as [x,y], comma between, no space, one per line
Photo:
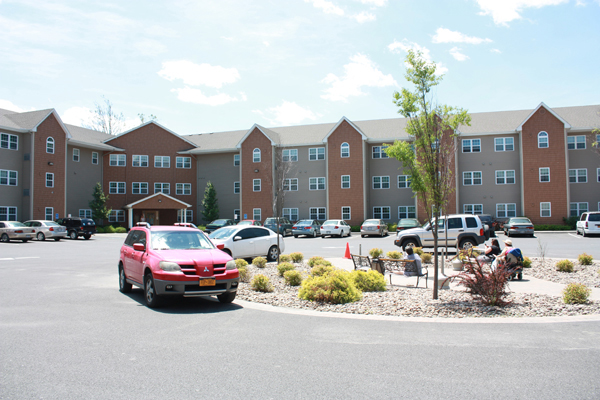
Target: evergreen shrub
[576,293]
[285,266]
[564,266]
[261,283]
[292,277]
[370,281]
[297,257]
[259,262]
[585,259]
[336,287]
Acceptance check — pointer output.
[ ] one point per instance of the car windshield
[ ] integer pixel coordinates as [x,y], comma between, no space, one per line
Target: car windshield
[219,222]
[304,222]
[180,240]
[520,221]
[245,223]
[407,222]
[272,221]
[222,233]
[485,218]
[331,222]
[371,222]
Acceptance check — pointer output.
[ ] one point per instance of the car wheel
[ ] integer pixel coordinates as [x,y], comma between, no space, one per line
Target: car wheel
[409,243]
[152,299]
[57,239]
[227,251]
[508,233]
[87,237]
[124,286]
[273,253]
[24,240]
[362,236]
[322,236]
[314,235]
[226,297]
[4,238]
[295,236]
[73,235]
[520,276]
[583,232]
[467,244]
[40,236]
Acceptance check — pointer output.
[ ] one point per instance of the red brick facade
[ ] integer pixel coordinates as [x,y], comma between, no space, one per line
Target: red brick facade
[262,170]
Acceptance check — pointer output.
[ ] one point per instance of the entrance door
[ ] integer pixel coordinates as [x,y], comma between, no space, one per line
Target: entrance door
[152,217]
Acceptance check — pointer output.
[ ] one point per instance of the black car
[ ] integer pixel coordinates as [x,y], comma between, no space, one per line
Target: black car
[489,225]
[76,227]
[218,223]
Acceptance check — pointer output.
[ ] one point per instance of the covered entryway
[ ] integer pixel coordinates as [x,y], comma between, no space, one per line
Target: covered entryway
[158,209]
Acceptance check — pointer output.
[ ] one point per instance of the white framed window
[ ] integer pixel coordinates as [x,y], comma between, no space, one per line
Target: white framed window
[10,142]
[505,177]
[291,214]
[183,162]
[76,155]
[381,212]
[545,174]
[403,181]
[578,175]
[578,208]
[471,145]
[139,161]
[116,187]
[407,212]
[8,213]
[379,152]
[50,145]
[189,216]
[345,181]
[236,187]
[472,178]
[256,185]
[504,144]
[162,187]
[316,153]
[49,179]
[256,214]
[256,155]
[316,184]
[8,177]
[162,162]
[543,140]
[183,189]
[85,213]
[345,150]
[116,216]
[139,187]
[381,182]
[290,184]
[236,160]
[49,213]
[117,160]
[95,157]
[576,142]
[506,210]
[318,213]
[346,213]
[598,175]
[290,155]
[473,208]
[546,209]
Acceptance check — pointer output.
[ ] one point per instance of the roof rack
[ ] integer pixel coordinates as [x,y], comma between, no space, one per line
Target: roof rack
[147,225]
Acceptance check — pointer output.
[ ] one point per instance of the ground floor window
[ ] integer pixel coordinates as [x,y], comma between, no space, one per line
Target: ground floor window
[291,214]
[545,209]
[8,213]
[116,216]
[84,213]
[407,212]
[189,216]
[473,208]
[49,213]
[319,213]
[256,214]
[346,214]
[578,208]
[507,210]
[381,212]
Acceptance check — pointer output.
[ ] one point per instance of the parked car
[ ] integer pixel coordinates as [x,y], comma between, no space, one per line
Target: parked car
[518,226]
[248,242]
[307,227]
[489,225]
[15,230]
[285,226]
[374,227]
[250,222]
[47,229]
[175,261]
[335,227]
[218,224]
[589,223]
[76,227]
[407,223]
[186,224]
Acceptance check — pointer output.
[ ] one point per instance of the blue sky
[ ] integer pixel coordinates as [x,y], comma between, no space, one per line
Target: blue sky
[210,66]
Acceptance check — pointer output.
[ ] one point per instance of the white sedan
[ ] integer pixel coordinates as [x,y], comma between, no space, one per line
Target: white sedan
[244,241]
[335,227]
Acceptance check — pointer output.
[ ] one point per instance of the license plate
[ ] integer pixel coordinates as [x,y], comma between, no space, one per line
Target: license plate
[27,235]
[327,232]
[208,282]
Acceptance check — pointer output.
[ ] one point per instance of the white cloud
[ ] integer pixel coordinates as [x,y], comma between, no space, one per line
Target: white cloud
[194,74]
[150,47]
[327,6]
[360,72]
[376,3]
[288,113]
[506,11]
[191,95]
[364,17]
[77,115]
[455,51]
[495,51]
[443,35]
[9,105]
[330,8]
[404,46]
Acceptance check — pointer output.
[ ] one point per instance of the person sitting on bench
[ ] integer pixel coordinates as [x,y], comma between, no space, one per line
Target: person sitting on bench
[411,256]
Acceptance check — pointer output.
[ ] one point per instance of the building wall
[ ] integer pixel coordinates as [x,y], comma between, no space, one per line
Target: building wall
[588,158]
[82,177]
[218,169]
[257,170]
[13,160]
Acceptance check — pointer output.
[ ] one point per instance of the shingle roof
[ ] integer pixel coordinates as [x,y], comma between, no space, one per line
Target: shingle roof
[25,120]
[89,136]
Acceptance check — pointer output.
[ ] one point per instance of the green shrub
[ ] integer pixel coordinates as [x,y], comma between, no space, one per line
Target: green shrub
[571,222]
[259,262]
[396,255]
[283,267]
[99,229]
[120,229]
[320,270]
[371,281]
[392,227]
[548,227]
[110,229]
[240,262]
[316,260]
[336,288]
[261,283]
[526,262]
[354,228]
[297,257]
[418,250]
[244,274]
[564,266]
[375,252]
[201,227]
[585,259]
[576,293]
[292,277]
[285,258]
[426,258]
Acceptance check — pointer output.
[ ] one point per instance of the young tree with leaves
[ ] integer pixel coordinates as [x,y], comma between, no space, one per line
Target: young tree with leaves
[429,154]
[210,203]
[98,205]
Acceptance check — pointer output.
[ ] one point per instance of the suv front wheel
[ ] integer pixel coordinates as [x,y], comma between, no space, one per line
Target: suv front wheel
[152,299]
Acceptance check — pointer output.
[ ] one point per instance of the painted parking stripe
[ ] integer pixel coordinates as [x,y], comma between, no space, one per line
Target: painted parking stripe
[23,258]
[6,259]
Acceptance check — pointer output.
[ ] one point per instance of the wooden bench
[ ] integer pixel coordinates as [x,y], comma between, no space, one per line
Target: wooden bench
[398,267]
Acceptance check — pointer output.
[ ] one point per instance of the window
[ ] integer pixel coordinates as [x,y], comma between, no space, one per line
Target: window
[578,208]
[8,141]
[290,155]
[473,208]
[85,213]
[8,178]
[49,213]
[318,213]
[256,155]
[407,212]
[8,213]
[507,210]
[117,160]
[379,152]
[598,175]
[50,145]
[291,214]
[189,216]
[504,144]
[471,145]
[403,181]
[316,153]
[236,160]
[544,174]
[76,155]
[345,150]
[162,162]
[94,157]
[290,184]
[545,209]
[161,187]
[543,142]
[346,214]
[505,177]
[139,161]
[49,179]
[184,189]
[316,184]
[578,175]
[381,182]
[236,214]
[256,214]
[256,185]
[183,162]
[576,142]
[472,178]
[345,182]
[116,187]
[139,188]
[381,212]
[116,216]
[236,187]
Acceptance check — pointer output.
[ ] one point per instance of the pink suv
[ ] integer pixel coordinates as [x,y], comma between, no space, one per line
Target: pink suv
[175,261]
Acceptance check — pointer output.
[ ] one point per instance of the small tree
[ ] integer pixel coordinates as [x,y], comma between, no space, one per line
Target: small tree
[105,119]
[283,166]
[143,118]
[210,203]
[98,205]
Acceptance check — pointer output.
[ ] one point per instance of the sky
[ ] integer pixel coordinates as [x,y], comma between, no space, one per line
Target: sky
[211,66]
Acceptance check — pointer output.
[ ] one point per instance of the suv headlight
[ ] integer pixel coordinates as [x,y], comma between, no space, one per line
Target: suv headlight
[169,266]
[230,265]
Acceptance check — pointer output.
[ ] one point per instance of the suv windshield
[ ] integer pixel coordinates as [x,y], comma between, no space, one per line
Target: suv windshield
[180,240]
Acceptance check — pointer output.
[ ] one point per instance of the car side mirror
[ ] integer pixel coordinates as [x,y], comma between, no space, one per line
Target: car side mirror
[236,238]
[139,247]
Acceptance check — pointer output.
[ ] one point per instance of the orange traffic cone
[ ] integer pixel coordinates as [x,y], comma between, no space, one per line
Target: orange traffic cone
[347,255]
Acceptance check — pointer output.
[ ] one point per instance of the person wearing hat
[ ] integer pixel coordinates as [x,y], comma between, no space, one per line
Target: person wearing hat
[508,246]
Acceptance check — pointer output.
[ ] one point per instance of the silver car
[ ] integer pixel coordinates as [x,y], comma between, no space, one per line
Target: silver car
[374,227]
[307,227]
[14,230]
[47,229]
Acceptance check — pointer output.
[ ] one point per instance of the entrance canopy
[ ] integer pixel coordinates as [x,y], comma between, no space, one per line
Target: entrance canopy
[157,201]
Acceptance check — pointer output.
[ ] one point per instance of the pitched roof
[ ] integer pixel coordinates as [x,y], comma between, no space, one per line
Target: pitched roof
[23,121]
[89,138]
